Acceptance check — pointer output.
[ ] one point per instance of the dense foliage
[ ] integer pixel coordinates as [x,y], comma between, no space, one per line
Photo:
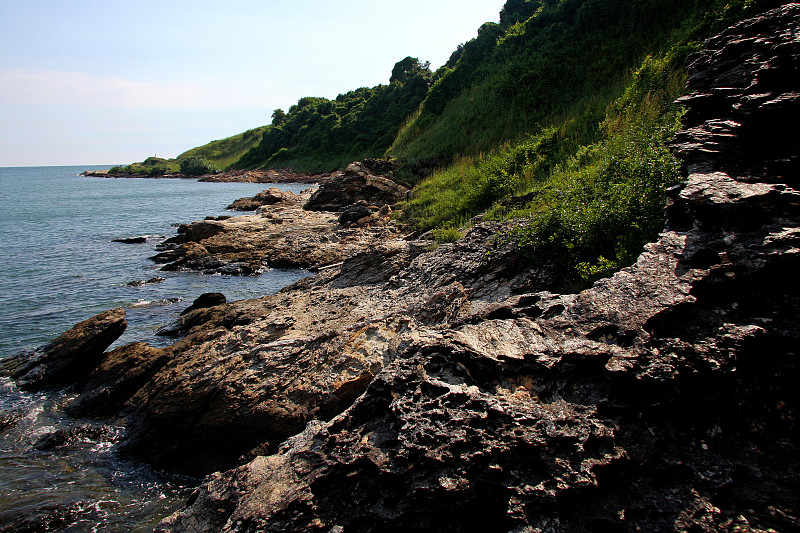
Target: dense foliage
[196,166]
[318,134]
[558,117]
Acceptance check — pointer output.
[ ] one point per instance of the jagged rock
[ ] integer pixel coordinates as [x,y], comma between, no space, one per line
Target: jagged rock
[121,374]
[269,197]
[354,213]
[356,184]
[737,120]
[661,399]
[68,359]
[283,235]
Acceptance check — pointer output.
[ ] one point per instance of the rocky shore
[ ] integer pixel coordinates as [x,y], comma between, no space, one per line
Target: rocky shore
[246,176]
[410,389]
[318,228]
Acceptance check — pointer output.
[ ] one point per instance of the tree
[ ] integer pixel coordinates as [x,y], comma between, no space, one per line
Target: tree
[409,68]
[278,117]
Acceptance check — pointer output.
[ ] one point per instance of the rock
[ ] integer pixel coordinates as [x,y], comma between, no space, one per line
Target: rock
[663,398]
[356,184]
[131,240]
[354,213]
[283,235]
[8,419]
[68,359]
[141,282]
[265,176]
[70,436]
[121,374]
[207,299]
[737,121]
[269,197]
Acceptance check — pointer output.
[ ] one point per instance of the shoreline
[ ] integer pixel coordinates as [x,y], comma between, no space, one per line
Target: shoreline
[243,176]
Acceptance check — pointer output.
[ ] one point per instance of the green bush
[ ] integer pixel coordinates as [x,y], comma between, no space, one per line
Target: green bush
[196,166]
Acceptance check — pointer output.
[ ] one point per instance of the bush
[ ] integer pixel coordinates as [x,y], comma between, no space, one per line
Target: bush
[196,166]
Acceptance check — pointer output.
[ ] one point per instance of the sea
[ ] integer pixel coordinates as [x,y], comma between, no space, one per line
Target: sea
[60,265]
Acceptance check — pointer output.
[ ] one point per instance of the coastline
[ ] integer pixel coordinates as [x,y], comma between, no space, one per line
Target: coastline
[409,387]
[245,176]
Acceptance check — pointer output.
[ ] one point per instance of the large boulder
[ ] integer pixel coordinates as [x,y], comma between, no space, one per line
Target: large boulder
[70,358]
[357,184]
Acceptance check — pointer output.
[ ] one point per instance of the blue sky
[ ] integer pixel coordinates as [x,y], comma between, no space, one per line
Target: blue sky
[113,81]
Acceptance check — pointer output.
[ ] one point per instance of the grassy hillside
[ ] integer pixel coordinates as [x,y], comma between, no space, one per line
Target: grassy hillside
[318,134]
[225,152]
[558,116]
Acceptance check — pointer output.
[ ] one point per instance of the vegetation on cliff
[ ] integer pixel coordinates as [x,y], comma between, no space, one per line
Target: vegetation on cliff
[320,135]
[557,116]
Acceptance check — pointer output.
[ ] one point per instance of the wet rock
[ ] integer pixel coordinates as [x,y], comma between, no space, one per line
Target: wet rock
[8,420]
[85,433]
[356,184]
[131,240]
[141,282]
[68,359]
[120,375]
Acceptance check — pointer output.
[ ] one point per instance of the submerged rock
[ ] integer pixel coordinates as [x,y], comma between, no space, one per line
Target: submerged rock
[131,240]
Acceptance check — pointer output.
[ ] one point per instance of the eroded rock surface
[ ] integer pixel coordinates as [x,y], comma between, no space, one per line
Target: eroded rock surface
[360,182]
[660,399]
[280,235]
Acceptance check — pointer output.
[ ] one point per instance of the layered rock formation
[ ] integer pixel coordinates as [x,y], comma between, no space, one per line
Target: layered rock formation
[281,234]
[269,197]
[660,399]
[360,183]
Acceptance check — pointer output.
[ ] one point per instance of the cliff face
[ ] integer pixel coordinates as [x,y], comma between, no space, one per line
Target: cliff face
[663,398]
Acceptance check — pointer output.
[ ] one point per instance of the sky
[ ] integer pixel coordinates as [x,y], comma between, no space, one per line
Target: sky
[116,81]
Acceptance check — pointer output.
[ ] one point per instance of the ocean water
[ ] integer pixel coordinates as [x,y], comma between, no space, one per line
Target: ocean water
[59,266]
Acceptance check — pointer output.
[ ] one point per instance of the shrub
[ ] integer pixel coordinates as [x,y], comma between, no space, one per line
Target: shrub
[196,166]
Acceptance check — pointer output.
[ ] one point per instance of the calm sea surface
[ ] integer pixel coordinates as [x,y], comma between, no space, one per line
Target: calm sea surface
[59,266]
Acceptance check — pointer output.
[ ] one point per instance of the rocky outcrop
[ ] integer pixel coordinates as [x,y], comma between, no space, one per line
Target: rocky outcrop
[661,399]
[269,197]
[282,235]
[68,359]
[265,176]
[357,184]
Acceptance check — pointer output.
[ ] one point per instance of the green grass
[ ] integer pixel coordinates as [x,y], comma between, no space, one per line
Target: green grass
[587,207]
[225,152]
